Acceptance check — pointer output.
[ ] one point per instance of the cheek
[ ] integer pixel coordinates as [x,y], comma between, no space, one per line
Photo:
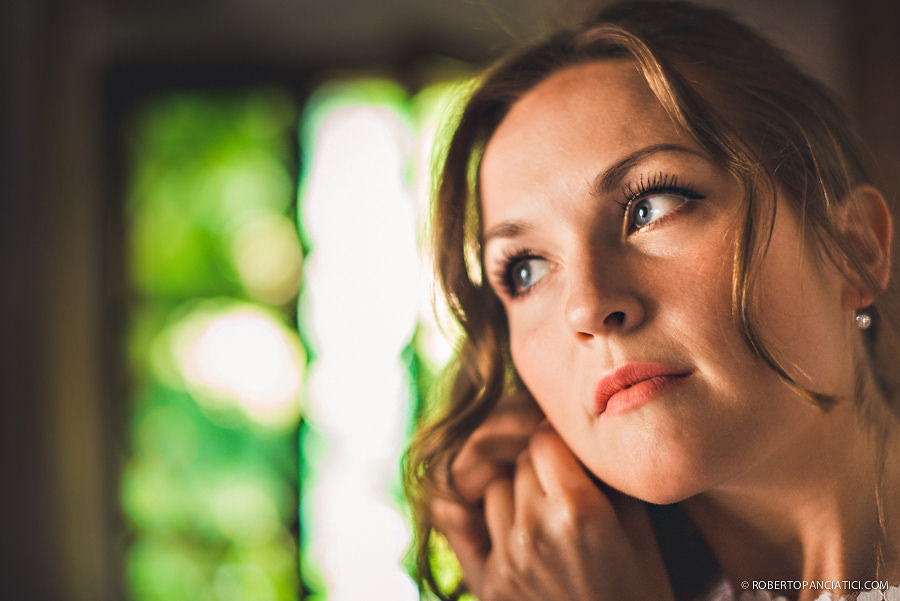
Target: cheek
[532,349]
[801,319]
[540,354]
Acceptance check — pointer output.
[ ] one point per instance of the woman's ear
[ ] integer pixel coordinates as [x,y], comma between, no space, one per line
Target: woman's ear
[868,227]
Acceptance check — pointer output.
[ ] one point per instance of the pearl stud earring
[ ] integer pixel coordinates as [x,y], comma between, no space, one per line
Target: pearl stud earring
[863,321]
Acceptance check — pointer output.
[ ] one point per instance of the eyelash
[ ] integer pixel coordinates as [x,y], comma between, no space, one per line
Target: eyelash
[659,183]
[504,273]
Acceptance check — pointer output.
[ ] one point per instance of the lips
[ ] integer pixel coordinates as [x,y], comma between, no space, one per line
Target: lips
[634,384]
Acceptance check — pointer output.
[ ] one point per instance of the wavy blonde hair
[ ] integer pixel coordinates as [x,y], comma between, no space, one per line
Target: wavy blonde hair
[758,116]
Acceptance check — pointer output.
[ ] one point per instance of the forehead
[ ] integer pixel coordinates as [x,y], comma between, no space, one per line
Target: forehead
[572,125]
[612,87]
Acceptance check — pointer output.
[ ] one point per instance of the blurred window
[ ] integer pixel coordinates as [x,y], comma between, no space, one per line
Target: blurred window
[281,339]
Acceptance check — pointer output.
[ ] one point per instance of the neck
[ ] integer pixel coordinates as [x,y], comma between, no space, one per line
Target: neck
[809,512]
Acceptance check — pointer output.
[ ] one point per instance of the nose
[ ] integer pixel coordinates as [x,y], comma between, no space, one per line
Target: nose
[600,301]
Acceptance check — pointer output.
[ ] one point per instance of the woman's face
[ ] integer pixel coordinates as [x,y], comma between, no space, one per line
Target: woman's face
[609,238]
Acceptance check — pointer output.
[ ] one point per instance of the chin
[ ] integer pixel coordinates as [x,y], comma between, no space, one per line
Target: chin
[659,495]
[664,497]
[652,486]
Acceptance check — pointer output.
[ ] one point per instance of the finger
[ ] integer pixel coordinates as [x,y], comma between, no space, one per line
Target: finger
[557,468]
[483,461]
[515,415]
[530,509]
[467,536]
[491,451]
[521,400]
[527,491]
[499,511]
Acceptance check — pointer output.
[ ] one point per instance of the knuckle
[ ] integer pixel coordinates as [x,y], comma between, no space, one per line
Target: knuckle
[521,543]
[529,548]
[471,483]
[448,515]
[503,577]
[505,572]
[578,515]
[565,519]
[570,516]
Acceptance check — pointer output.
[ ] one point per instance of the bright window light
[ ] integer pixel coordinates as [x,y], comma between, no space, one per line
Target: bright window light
[359,312]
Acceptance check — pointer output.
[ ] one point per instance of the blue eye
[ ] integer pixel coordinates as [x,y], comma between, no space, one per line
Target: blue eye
[650,208]
[523,273]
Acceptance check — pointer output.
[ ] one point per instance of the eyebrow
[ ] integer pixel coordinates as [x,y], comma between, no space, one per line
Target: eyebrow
[612,176]
[506,229]
[604,182]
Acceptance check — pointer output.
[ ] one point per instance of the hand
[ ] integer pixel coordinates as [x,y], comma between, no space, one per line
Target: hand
[489,453]
[492,449]
[554,535]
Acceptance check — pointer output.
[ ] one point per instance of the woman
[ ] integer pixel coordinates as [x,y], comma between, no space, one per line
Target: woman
[677,375]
